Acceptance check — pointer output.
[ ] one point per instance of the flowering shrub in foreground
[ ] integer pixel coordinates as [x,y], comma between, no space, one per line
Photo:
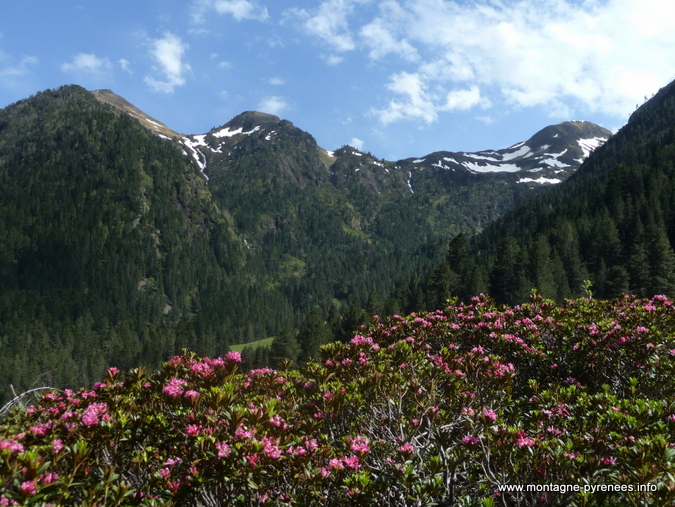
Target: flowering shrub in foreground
[436,407]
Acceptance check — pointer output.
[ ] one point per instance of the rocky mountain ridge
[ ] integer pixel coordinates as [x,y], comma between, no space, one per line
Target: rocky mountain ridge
[548,157]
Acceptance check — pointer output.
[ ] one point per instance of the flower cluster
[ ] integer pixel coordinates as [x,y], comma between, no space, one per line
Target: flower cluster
[533,394]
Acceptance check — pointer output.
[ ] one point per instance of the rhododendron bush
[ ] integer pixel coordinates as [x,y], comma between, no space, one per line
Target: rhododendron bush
[441,407]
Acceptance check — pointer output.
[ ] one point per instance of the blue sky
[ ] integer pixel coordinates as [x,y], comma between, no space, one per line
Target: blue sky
[396,78]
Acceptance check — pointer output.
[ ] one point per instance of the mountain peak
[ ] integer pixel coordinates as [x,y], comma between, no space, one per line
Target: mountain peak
[248,120]
[109,97]
[554,152]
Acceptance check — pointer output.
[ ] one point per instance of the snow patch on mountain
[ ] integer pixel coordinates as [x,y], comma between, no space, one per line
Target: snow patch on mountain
[522,151]
[542,180]
[491,168]
[197,155]
[589,145]
[226,132]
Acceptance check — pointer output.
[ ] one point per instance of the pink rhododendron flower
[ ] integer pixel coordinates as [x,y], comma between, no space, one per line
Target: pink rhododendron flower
[270,448]
[277,421]
[193,429]
[224,450]
[490,414]
[233,357]
[90,417]
[525,442]
[202,369]
[470,440]
[48,478]
[362,340]
[352,462]
[57,445]
[407,448]
[241,433]
[253,460]
[175,387]
[28,487]
[41,429]
[360,445]
[335,463]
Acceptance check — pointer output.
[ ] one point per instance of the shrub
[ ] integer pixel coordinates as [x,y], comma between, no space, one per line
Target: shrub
[454,406]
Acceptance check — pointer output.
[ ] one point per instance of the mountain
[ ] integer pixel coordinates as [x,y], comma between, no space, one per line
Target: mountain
[548,157]
[124,241]
[112,247]
[551,155]
[612,223]
[155,126]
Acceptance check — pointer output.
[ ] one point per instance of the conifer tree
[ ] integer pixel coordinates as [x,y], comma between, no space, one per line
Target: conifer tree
[541,269]
[661,263]
[285,347]
[314,333]
[508,281]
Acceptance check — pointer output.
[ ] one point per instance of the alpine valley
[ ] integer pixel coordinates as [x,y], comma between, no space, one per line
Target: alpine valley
[124,241]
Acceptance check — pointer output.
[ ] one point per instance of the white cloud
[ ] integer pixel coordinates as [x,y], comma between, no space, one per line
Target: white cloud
[276,81]
[334,59]
[566,56]
[382,42]
[125,65]
[356,143]
[600,55]
[329,22]
[168,53]
[88,64]
[416,102]
[238,9]
[273,105]
[465,99]
[11,69]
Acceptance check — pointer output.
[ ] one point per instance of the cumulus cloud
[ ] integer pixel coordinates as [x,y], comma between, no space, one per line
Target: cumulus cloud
[465,99]
[565,56]
[88,64]
[125,65]
[415,101]
[273,105]
[382,41]
[10,68]
[238,9]
[168,53]
[356,143]
[602,55]
[330,23]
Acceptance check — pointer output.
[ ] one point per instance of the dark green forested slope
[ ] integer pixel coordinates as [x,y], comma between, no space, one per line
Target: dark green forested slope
[325,230]
[612,222]
[111,247]
[115,250]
